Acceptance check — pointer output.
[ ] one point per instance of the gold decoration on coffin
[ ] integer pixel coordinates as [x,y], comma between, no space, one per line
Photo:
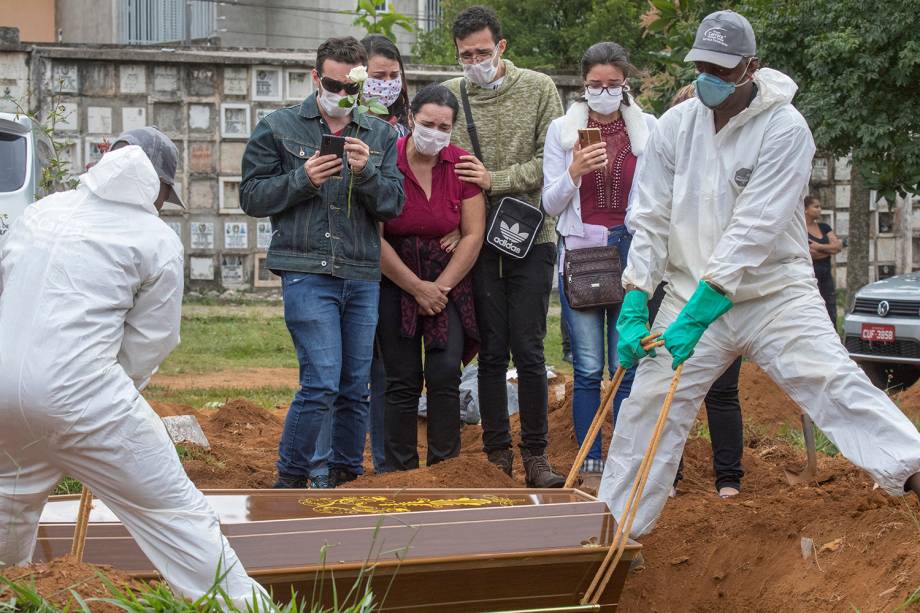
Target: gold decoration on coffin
[360,505]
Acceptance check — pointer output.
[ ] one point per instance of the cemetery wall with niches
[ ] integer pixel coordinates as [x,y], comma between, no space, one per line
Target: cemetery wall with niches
[207,101]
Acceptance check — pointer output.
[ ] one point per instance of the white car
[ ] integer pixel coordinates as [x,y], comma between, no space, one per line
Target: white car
[882,330]
[24,151]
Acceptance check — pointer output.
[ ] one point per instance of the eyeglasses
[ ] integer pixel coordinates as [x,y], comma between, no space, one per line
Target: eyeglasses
[477,55]
[333,86]
[610,90]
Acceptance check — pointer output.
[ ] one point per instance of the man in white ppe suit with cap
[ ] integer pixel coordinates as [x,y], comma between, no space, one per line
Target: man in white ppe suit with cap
[718,211]
[90,300]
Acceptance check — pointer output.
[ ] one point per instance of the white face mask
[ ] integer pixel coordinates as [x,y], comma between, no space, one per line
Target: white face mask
[604,103]
[330,103]
[484,72]
[429,141]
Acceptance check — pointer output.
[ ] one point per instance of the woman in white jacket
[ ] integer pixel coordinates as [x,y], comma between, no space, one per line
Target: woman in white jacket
[589,189]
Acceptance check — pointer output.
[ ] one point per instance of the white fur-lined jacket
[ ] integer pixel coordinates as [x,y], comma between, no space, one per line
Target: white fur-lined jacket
[560,193]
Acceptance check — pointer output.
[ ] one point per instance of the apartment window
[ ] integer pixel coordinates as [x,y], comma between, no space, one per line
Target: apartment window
[159,21]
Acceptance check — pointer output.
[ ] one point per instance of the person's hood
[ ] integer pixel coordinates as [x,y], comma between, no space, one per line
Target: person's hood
[124,175]
[773,89]
[577,117]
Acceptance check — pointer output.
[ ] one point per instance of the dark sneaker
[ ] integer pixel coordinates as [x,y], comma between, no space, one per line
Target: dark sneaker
[290,482]
[341,475]
[321,482]
[538,472]
[503,458]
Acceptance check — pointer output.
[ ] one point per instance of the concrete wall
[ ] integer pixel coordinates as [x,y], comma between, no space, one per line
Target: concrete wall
[34,18]
[87,21]
[271,27]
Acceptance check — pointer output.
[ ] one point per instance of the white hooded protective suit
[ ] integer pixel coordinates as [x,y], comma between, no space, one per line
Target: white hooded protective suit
[727,206]
[90,301]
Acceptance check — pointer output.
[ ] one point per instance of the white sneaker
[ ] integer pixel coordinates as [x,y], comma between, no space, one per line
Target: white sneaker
[673,492]
[728,492]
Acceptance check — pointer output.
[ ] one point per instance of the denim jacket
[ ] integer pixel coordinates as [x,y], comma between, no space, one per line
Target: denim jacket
[312,228]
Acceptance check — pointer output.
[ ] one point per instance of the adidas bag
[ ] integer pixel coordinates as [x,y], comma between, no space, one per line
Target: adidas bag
[514,227]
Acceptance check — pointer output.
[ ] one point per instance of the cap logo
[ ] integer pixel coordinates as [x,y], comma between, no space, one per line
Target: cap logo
[715,35]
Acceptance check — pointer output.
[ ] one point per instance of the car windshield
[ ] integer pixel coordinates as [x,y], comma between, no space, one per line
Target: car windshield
[12,162]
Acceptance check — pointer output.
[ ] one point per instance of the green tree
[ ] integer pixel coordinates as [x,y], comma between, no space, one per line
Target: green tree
[857,65]
[380,22]
[542,34]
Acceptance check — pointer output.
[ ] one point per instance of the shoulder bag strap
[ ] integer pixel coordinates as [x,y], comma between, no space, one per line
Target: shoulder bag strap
[470,126]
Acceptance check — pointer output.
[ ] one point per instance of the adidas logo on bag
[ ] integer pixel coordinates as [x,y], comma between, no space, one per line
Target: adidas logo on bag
[512,237]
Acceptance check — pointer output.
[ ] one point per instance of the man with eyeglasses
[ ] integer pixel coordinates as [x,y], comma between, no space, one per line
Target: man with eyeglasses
[512,109]
[326,248]
[719,210]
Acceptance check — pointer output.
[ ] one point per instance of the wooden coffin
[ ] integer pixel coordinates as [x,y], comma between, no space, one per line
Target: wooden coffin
[420,549]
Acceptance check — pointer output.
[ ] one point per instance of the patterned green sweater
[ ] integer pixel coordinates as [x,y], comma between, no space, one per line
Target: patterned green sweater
[511,122]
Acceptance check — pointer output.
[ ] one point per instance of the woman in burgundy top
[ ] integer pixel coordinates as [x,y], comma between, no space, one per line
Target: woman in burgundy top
[426,294]
[589,190]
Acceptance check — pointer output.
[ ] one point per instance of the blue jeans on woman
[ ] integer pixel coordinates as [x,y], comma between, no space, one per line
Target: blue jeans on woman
[588,329]
[332,323]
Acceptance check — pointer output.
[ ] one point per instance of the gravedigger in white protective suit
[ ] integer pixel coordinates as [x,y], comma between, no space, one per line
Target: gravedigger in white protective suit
[718,211]
[90,300]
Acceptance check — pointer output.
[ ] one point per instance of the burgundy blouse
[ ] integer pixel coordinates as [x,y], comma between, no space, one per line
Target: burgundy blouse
[604,193]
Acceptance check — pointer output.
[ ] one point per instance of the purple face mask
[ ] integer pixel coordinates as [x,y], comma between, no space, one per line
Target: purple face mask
[386,92]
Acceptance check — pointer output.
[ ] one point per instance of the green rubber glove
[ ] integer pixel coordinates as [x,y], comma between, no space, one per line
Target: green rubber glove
[632,327]
[706,305]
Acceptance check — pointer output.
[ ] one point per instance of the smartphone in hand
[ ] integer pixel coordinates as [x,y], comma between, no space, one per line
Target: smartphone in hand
[332,145]
[588,136]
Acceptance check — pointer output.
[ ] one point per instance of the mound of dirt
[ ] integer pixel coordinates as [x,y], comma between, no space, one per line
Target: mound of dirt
[169,409]
[763,403]
[745,553]
[909,401]
[244,446]
[464,471]
[54,581]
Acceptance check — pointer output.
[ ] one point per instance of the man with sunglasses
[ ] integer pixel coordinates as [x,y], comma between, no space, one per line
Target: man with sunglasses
[325,246]
[512,109]
[719,210]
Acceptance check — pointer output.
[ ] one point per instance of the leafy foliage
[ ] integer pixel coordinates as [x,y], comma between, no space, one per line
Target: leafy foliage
[857,65]
[367,16]
[57,174]
[543,35]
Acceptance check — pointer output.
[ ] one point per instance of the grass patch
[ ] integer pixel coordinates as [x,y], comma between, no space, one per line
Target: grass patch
[212,343]
[701,430]
[199,397]
[552,345]
[796,437]
[67,485]
[912,599]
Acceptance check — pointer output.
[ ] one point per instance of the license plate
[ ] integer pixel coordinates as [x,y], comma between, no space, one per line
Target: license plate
[877,333]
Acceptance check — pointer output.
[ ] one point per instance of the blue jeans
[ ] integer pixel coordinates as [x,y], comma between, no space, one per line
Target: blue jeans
[332,323]
[587,330]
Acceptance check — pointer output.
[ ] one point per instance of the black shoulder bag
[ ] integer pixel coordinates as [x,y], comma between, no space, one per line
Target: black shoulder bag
[513,224]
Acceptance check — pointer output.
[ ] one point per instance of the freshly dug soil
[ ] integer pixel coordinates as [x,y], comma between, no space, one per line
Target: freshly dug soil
[244,378]
[706,553]
[710,554]
[463,471]
[244,446]
[54,580]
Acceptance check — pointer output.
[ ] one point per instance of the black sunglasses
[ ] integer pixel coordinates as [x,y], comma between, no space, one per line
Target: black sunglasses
[333,86]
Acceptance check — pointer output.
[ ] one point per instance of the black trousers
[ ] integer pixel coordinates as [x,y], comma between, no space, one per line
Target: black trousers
[512,300]
[405,374]
[723,411]
[829,292]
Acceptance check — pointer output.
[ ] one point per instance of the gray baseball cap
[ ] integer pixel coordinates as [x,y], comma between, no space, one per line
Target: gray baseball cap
[723,39]
[162,153]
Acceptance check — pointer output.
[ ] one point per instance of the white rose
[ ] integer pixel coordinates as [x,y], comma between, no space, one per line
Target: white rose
[358,74]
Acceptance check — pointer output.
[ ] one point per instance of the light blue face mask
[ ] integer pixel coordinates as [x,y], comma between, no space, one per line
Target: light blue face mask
[713,91]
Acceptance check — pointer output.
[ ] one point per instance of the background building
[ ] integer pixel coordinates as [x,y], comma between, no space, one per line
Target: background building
[262,24]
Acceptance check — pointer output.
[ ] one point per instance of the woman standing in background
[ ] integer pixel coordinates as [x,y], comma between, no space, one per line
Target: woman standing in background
[822,244]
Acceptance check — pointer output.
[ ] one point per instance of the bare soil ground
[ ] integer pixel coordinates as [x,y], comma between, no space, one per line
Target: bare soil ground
[706,553]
